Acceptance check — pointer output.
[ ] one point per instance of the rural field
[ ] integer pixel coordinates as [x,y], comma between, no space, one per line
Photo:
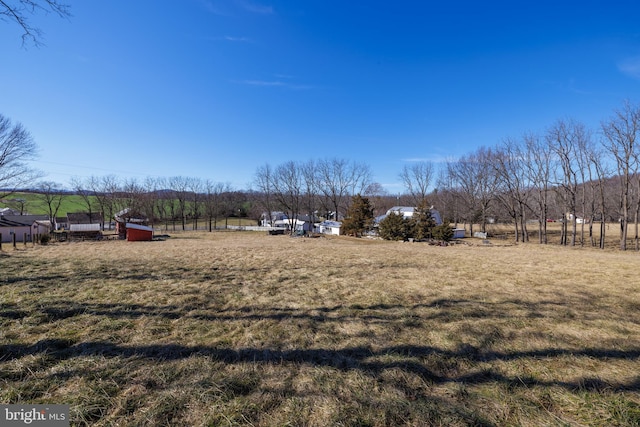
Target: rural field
[241,328]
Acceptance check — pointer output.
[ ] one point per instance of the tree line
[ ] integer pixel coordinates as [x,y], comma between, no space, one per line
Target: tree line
[583,177]
[174,202]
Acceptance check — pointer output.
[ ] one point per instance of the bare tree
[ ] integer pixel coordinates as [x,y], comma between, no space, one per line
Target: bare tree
[164,202]
[88,199]
[288,185]
[17,204]
[18,12]
[231,205]
[620,133]
[196,188]
[180,187]
[150,198]
[213,201]
[600,170]
[263,182]
[417,179]
[636,193]
[475,179]
[513,185]
[340,179]
[51,197]
[379,197]
[105,193]
[310,189]
[584,144]
[564,139]
[447,197]
[132,197]
[16,147]
[538,168]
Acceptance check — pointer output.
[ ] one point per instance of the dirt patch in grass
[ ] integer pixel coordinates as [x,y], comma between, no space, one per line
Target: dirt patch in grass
[249,329]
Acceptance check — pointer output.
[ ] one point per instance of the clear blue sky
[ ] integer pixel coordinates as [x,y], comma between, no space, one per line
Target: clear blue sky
[215,88]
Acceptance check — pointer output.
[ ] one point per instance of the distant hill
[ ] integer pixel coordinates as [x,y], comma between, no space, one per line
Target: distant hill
[33,205]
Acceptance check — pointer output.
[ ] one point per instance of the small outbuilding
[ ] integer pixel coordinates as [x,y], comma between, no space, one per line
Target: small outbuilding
[330,227]
[9,228]
[31,225]
[458,233]
[128,216]
[139,233]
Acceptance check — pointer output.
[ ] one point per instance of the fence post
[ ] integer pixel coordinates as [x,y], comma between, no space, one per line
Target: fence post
[24,239]
[0,241]
[14,240]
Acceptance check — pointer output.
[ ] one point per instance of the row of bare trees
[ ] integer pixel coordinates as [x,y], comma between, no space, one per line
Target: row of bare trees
[569,173]
[174,202]
[584,177]
[323,186]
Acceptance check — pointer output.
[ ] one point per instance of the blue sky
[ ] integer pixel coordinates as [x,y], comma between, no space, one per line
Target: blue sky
[215,88]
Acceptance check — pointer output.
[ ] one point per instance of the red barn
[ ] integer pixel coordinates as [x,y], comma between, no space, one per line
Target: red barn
[139,233]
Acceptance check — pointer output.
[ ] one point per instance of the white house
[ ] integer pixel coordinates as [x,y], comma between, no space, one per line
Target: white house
[579,220]
[330,227]
[282,220]
[10,228]
[269,219]
[20,225]
[408,211]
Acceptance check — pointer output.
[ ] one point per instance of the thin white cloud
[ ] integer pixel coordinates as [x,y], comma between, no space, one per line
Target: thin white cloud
[255,7]
[231,39]
[237,39]
[630,67]
[566,86]
[435,158]
[274,83]
[211,8]
[261,83]
[573,88]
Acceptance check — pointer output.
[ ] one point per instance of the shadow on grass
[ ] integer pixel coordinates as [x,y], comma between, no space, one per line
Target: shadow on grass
[442,310]
[412,359]
[428,362]
[28,279]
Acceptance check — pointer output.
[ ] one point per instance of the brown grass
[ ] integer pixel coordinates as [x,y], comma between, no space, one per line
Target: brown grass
[501,232]
[249,329]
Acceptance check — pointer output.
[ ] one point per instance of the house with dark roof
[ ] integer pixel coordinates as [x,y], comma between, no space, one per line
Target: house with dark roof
[23,225]
[61,223]
[9,229]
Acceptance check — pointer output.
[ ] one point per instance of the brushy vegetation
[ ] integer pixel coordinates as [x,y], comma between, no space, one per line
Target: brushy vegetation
[249,329]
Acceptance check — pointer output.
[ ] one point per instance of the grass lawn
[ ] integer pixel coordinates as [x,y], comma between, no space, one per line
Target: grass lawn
[242,328]
[33,204]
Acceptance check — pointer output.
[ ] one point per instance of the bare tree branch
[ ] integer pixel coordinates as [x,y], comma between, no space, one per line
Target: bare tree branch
[18,11]
[16,147]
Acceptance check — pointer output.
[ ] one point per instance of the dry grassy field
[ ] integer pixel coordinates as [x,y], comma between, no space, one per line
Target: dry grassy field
[242,328]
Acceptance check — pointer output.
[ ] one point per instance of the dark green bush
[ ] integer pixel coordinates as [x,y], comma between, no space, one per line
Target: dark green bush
[395,227]
[443,232]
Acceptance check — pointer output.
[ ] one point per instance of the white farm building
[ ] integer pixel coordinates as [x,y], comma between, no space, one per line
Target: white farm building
[408,211]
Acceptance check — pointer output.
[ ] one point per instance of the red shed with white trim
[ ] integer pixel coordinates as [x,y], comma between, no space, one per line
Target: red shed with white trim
[139,233]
